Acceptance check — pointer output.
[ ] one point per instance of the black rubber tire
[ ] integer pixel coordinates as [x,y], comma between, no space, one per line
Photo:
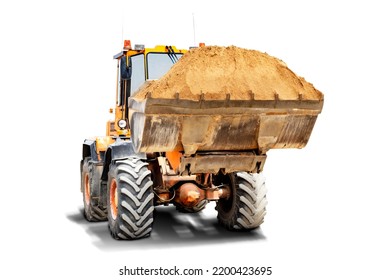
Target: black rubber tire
[246,207]
[130,215]
[90,184]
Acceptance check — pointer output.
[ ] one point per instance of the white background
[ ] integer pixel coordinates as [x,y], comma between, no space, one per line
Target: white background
[328,212]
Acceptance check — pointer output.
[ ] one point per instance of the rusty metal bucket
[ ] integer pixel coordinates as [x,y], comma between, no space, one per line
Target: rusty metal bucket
[221,126]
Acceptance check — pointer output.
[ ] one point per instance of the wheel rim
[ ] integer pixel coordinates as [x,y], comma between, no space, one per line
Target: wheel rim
[87,189]
[113,199]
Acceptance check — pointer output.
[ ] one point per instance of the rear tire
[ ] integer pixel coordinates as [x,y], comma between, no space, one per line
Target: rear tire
[90,184]
[245,209]
[130,199]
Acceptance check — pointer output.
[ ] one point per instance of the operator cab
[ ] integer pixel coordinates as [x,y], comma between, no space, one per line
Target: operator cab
[135,66]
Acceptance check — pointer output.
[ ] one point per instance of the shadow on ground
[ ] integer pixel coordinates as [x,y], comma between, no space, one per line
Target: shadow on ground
[170,229]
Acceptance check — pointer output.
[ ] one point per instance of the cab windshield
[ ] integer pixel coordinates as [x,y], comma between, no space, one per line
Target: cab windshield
[160,63]
[157,65]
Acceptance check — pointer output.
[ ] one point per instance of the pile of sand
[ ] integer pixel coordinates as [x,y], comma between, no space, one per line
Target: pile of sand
[213,72]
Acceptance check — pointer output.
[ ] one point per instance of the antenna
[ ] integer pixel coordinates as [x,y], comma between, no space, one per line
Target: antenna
[193,27]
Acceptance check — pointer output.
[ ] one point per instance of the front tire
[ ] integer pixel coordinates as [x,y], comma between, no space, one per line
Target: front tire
[130,199]
[245,208]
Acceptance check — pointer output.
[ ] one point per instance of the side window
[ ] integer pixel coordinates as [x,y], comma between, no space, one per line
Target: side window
[124,71]
[118,85]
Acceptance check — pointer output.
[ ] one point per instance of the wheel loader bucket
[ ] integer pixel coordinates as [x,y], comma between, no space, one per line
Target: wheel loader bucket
[162,125]
[231,102]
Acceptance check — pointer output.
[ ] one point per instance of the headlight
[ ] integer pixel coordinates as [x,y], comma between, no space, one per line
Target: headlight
[122,124]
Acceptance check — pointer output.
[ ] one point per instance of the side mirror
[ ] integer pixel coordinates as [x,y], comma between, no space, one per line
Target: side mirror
[125,68]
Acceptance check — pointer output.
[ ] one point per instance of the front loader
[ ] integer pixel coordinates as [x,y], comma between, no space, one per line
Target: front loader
[172,149]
